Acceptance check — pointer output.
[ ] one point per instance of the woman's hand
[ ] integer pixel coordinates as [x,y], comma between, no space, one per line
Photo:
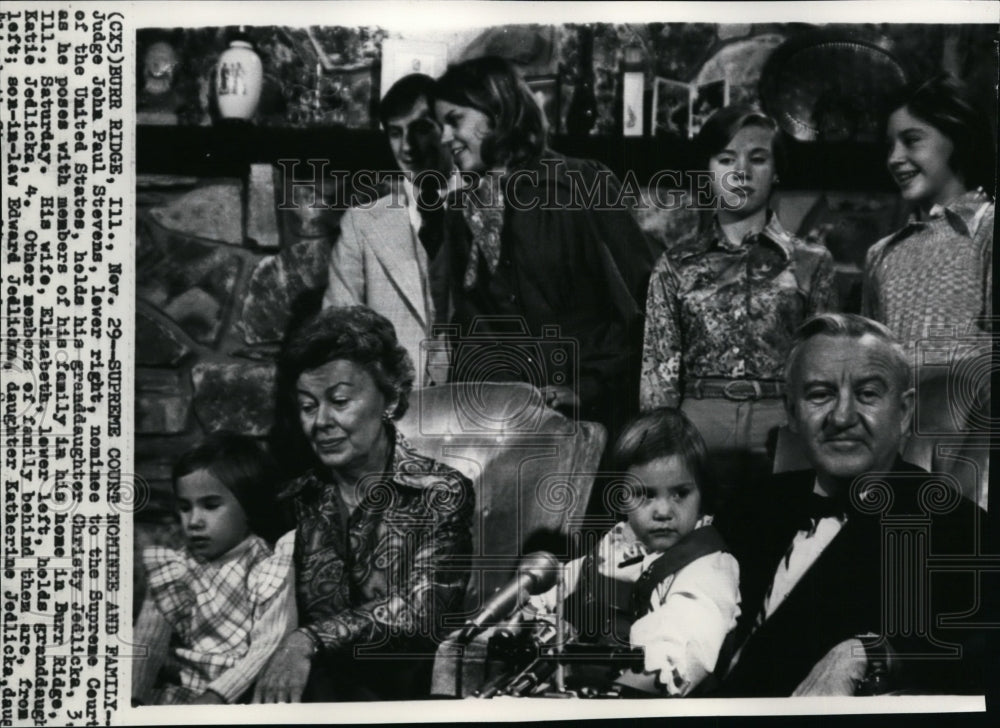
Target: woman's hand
[285,676]
[561,398]
[209,697]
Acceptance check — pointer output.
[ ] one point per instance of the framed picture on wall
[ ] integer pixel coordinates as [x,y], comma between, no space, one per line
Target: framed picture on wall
[671,107]
[706,99]
[680,109]
[402,57]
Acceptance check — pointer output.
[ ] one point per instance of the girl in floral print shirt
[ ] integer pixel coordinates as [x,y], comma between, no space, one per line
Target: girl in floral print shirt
[216,609]
[725,300]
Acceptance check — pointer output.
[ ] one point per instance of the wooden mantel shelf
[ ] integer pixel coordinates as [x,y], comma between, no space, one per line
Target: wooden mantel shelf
[228,150]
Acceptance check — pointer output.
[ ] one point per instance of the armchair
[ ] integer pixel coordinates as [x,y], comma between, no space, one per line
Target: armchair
[532,470]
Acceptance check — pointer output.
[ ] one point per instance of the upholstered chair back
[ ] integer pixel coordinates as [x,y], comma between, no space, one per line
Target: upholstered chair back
[532,469]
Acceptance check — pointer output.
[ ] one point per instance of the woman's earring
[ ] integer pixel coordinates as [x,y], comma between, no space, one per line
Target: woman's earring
[387,416]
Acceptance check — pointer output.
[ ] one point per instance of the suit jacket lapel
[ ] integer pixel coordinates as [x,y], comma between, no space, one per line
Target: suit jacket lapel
[391,239]
[829,567]
[779,532]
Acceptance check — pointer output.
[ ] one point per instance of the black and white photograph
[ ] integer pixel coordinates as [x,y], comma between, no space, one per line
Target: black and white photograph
[458,377]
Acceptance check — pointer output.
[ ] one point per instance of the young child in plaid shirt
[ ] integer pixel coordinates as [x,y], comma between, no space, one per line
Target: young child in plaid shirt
[215,610]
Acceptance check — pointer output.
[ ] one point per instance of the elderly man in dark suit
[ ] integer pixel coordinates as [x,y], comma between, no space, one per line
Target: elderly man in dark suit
[843,586]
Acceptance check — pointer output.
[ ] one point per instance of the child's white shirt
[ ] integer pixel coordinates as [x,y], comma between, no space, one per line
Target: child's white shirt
[691,610]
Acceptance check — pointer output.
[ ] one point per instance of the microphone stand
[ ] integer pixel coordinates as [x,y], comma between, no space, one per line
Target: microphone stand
[560,676]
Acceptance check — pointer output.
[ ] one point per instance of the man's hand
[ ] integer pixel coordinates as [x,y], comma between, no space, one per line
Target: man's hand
[285,676]
[838,673]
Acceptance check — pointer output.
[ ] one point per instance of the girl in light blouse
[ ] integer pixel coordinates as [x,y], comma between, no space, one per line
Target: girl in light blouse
[931,282]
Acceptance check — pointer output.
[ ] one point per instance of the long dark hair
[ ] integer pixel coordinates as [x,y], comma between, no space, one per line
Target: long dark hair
[492,85]
[947,104]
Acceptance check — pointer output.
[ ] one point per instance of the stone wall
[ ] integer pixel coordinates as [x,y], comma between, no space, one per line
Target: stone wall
[212,304]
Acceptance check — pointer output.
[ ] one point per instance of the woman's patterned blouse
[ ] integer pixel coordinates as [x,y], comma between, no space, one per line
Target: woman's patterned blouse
[391,575]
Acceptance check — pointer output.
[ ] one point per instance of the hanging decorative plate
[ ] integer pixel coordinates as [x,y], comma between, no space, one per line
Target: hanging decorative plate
[831,85]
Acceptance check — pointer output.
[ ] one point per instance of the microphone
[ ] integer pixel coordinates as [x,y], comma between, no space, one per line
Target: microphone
[537,573]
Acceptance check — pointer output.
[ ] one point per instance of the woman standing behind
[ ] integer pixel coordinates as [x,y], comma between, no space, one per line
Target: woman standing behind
[724,302]
[546,243]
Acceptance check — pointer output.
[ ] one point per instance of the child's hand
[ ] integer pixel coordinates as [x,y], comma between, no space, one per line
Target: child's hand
[667,674]
[284,678]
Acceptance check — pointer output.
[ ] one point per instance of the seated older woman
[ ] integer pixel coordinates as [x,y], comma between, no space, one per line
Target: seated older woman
[376,522]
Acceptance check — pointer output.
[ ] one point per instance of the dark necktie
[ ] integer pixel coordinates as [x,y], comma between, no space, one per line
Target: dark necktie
[818,507]
[432,215]
[822,506]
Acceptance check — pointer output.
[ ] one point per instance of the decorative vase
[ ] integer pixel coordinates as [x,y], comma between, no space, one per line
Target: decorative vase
[239,78]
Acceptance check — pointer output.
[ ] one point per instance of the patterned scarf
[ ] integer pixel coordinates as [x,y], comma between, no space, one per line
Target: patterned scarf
[483,211]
